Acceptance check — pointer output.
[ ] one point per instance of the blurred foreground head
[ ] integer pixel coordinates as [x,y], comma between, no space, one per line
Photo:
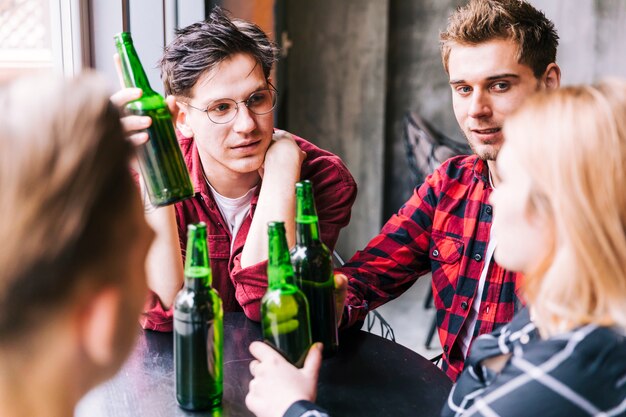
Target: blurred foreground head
[567,151]
[74,240]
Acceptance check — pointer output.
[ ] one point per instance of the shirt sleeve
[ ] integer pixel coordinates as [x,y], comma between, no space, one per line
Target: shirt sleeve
[394,259]
[155,316]
[304,408]
[250,286]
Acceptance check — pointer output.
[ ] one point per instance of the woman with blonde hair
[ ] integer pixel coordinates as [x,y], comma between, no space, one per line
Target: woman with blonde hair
[560,218]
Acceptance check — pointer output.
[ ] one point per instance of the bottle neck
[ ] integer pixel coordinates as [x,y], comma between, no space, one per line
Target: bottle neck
[279,269]
[198,278]
[307,230]
[133,73]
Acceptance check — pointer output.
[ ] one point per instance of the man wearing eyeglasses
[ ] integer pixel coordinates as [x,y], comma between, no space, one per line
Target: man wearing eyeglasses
[242,169]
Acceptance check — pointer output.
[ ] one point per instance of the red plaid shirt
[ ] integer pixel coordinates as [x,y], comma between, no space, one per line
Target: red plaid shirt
[444,229]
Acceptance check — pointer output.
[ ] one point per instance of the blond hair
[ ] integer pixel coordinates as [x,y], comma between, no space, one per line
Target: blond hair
[64,185]
[517,20]
[572,142]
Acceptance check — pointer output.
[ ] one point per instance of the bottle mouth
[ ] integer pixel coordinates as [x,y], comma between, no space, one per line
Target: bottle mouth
[123,37]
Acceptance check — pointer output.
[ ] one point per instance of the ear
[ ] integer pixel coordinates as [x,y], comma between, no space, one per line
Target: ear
[551,78]
[182,119]
[99,322]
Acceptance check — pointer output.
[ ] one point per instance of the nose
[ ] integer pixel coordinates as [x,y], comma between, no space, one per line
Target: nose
[244,120]
[480,105]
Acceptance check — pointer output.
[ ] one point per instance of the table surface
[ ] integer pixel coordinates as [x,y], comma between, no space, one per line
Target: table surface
[369,376]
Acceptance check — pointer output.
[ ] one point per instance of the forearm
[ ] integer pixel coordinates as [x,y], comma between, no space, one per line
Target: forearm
[164,262]
[277,202]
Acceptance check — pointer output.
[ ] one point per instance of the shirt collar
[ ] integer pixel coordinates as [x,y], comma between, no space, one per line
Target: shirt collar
[481,170]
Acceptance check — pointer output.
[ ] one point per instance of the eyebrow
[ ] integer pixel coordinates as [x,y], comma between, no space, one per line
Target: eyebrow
[258,88]
[490,78]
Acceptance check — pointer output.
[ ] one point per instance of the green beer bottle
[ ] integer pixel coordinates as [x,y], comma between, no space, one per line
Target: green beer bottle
[160,159]
[313,269]
[198,330]
[284,309]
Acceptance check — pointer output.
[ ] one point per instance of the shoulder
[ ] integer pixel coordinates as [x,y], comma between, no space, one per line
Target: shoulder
[461,168]
[460,177]
[323,167]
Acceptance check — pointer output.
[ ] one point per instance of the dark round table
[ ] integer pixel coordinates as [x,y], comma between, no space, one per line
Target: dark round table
[369,376]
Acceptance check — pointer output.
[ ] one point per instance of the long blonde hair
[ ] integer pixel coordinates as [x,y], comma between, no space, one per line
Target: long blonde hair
[572,142]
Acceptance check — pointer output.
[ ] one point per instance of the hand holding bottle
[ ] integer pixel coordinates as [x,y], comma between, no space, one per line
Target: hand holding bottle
[134,126]
[277,384]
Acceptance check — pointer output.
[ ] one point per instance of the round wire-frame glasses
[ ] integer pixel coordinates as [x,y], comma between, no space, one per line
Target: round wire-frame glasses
[224,110]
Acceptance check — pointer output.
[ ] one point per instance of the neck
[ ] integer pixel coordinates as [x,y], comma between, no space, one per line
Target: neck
[228,183]
[37,382]
[494,174]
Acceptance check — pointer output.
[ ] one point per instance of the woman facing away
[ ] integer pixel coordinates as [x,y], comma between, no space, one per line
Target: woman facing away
[560,218]
[74,241]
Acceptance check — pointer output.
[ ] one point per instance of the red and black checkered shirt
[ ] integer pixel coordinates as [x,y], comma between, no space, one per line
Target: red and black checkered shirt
[444,229]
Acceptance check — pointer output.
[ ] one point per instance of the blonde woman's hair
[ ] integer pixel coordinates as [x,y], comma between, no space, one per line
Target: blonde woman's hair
[572,142]
[65,187]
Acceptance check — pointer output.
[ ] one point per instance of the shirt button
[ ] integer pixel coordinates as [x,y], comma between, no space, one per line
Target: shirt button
[478,257]
[445,348]
[487,309]
[464,305]
[435,253]
[488,210]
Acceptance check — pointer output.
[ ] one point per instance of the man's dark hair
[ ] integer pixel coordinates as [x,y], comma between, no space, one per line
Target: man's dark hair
[203,45]
[517,20]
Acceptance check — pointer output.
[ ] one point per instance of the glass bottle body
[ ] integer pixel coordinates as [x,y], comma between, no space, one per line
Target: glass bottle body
[312,263]
[198,330]
[285,322]
[285,319]
[198,348]
[160,160]
[314,276]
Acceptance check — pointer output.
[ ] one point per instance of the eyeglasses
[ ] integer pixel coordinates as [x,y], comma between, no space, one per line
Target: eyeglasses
[224,110]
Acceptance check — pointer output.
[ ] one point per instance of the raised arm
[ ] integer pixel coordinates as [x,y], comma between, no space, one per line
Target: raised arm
[335,192]
[395,258]
[277,200]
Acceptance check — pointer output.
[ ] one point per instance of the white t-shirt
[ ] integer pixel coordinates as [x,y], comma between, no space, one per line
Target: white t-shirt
[234,210]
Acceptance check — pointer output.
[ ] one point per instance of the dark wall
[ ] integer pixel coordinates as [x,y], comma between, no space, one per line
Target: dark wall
[417,82]
[336,94]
